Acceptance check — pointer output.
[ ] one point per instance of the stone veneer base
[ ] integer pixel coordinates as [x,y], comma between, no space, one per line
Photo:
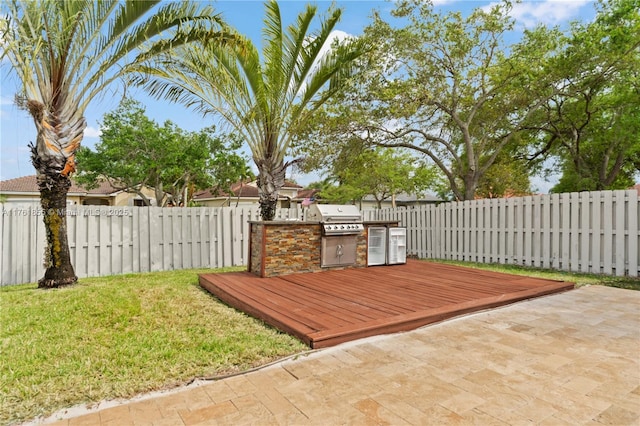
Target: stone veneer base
[287,247]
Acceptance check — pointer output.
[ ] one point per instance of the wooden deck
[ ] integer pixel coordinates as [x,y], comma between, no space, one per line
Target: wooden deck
[326,308]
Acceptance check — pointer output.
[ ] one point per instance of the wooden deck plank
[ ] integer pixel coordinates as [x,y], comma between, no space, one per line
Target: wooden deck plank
[412,295]
[415,282]
[345,288]
[326,308]
[257,302]
[417,319]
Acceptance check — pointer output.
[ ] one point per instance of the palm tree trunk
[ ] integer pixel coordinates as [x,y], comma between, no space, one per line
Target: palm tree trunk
[53,197]
[270,180]
[53,183]
[54,162]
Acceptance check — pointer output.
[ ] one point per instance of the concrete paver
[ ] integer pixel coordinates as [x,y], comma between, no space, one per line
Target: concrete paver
[570,358]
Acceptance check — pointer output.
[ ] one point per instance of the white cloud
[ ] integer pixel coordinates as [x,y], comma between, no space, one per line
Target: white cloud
[326,48]
[92,132]
[549,12]
[338,35]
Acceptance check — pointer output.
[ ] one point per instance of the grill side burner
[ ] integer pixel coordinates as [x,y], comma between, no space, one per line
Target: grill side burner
[342,228]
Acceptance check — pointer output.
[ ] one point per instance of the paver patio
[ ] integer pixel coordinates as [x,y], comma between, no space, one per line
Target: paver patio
[567,359]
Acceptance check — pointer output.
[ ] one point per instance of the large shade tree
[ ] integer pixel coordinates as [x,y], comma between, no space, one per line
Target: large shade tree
[591,127]
[447,86]
[263,96]
[65,54]
[135,153]
[382,173]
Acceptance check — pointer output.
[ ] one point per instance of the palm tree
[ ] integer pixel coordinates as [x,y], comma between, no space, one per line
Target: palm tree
[263,97]
[65,54]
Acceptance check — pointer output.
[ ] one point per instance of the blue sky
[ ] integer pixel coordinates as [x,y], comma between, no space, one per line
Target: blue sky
[17,129]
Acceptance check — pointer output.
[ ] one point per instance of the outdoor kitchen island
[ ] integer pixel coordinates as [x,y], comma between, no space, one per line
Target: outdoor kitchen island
[289,247]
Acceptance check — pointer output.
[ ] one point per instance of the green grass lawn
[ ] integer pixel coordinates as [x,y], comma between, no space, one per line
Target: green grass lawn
[115,337]
[581,279]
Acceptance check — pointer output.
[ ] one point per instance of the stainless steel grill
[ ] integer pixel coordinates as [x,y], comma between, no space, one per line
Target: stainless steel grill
[337,219]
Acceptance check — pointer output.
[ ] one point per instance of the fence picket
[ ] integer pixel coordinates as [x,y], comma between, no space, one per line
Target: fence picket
[608,232]
[5,272]
[141,244]
[527,236]
[585,232]
[620,232]
[213,238]
[536,232]
[448,226]
[494,217]
[487,251]
[565,231]
[556,240]
[194,245]
[15,238]
[519,247]
[633,253]
[236,236]
[484,237]
[596,234]
[545,231]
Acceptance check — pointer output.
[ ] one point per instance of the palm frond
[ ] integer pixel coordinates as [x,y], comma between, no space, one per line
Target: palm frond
[294,53]
[67,52]
[273,49]
[308,58]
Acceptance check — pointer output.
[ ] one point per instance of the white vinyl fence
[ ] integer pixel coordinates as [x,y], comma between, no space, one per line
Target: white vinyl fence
[595,232]
[117,240]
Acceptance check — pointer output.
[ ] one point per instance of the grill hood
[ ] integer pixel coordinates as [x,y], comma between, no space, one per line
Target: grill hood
[335,213]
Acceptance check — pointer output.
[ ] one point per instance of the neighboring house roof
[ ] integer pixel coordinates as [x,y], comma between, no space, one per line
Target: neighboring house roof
[307,193]
[636,187]
[412,198]
[28,185]
[246,189]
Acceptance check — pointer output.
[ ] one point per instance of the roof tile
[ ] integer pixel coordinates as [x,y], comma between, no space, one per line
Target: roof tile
[245,189]
[28,184]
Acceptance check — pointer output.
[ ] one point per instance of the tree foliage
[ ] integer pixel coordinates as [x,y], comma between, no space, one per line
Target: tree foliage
[381,173]
[591,127]
[135,152]
[507,177]
[482,110]
[445,86]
